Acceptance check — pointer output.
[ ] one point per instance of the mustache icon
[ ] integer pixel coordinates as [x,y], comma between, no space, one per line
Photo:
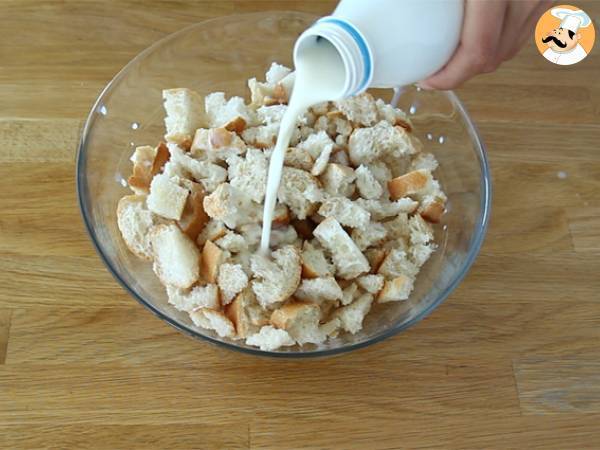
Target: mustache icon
[555,40]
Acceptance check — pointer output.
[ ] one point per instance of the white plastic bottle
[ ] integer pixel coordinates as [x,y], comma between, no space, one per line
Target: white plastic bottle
[365,43]
[388,43]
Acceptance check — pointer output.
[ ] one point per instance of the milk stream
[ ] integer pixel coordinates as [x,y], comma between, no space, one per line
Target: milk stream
[320,77]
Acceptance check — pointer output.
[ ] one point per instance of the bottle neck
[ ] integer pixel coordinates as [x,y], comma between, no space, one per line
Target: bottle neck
[351,46]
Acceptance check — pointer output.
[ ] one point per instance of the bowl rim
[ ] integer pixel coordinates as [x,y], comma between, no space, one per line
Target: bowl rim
[475,246]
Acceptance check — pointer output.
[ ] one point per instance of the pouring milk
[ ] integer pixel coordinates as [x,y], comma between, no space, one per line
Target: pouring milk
[379,43]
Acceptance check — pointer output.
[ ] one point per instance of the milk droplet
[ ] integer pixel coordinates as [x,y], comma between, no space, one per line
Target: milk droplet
[562,175]
[135,126]
[429,136]
[412,109]
[102,110]
[441,139]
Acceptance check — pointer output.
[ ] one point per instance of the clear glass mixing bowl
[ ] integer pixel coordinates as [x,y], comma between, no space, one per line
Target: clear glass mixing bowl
[220,55]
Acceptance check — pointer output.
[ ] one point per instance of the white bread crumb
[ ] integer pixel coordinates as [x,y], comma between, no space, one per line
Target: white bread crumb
[319,289]
[211,259]
[221,111]
[184,114]
[314,262]
[212,231]
[371,283]
[228,204]
[276,280]
[371,235]
[176,257]
[135,221]
[301,320]
[338,180]
[232,242]
[213,320]
[206,296]
[231,280]
[348,259]
[167,199]
[349,294]
[249,174]
[367,184]
[397,289]
[384,209]
[298,158]
[345,211]
[300,191]
[246,314]
[396,263]
[352,316]
[270,338]
[360,109]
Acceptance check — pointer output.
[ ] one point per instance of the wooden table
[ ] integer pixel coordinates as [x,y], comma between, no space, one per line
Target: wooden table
[511,360]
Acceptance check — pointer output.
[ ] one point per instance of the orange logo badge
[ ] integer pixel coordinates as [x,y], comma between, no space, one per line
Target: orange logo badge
[565,35]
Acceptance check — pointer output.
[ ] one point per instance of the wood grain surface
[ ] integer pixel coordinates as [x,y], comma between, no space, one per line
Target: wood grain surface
[510,360]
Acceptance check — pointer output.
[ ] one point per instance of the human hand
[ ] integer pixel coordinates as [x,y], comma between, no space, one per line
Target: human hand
[493,32]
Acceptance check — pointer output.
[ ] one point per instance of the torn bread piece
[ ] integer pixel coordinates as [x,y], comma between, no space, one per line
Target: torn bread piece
[270,338]
[425,161]
[367,184]
[420,231]
[340,156]
[211,259]
[432,208]
[383,209]
[375,256]
[229,205]
[221,112]
[298,158]
[147,162]
[246,314]
[394,116]
[205,172]
[176,257]
[352,315]
[283,235]
[212,231]
[135,220]
[345,211]
[231,280]
[213,320]
[396,289]
[198,296]
[184,114]
[232,242]
[360,109]
[338,180]
[397,263]
[348,259]
[194,218]
[371,235]
[249,174]
[301,320]
[251,232]
[300,191]
[420,253]
[371,283]
[319,290]
[261,136]
[369,144]
[314,262]
[316,144]
[276,279]
[167,198]
[411,183]
[349,293]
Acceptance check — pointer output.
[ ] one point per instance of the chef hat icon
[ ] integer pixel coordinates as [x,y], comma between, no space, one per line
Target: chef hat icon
[571,20]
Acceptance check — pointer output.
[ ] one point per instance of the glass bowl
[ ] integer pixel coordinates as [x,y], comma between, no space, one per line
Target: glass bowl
[220,55]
